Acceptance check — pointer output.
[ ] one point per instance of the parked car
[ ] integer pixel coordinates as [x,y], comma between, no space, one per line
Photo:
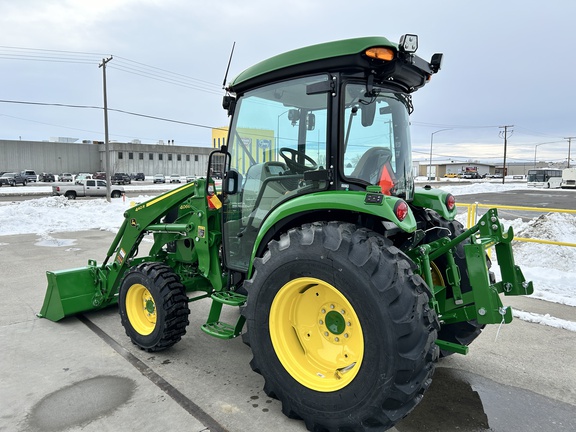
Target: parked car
[46,177]
[12,179]
[29,175]
[174,178]
[471,175]
[451,175]
[121,178]
[190,179]
[159,178]
[65,177]
[139,176]
[99,175]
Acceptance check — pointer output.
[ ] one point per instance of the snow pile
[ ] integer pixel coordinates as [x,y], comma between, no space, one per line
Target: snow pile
[484,187]
[552,226]
[545,320]
[58,214]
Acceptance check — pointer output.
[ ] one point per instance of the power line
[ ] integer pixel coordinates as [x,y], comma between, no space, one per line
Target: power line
[169,72]
[436,125]
[111,109]
[164,79]
[123,64]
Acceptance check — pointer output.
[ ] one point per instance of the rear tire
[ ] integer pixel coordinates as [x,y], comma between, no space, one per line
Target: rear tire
[71,195]
[153,306]
[340,328]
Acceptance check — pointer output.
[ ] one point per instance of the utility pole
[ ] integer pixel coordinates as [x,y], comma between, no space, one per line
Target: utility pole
[505,136]
[106,141]
[569,144]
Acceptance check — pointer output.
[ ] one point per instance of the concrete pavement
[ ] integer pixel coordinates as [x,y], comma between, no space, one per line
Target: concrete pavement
[86,375]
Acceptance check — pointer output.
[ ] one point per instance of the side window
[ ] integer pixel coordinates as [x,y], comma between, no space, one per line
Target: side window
[279,132]
[375,130]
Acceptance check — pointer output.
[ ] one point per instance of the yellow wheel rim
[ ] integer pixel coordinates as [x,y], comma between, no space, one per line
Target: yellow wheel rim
[316,334]
[437,278]
[141,309]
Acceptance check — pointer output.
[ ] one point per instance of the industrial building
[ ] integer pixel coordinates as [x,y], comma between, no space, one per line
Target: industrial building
[70,155]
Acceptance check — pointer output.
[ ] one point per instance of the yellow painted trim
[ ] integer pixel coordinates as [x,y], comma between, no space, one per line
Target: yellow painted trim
[166,195]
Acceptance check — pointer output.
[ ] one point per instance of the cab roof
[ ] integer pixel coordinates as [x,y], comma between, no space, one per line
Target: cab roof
[347,54]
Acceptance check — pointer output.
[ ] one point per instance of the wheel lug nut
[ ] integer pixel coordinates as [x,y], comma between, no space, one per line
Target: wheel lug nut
[320,322]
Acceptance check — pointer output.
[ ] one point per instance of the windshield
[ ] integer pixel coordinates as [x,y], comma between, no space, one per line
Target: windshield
[376,134]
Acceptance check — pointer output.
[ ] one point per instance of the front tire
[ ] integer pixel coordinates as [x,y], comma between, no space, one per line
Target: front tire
[153,306]
[340,328]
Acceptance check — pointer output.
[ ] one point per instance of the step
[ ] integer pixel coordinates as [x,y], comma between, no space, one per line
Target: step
[219,329]
[229,298]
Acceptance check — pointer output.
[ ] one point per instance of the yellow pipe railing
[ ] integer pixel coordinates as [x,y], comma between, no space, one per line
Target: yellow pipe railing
[472,212]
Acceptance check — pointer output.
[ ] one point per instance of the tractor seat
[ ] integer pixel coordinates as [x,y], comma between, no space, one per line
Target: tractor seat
[375,168]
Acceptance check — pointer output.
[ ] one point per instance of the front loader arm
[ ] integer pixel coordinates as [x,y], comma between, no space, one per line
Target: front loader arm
[94,287]
[145,218]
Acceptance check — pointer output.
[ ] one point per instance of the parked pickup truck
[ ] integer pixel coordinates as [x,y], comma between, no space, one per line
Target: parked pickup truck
[89,188]
[121,178]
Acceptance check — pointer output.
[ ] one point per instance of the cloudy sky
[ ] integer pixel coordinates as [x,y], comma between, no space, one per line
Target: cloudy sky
[506,63]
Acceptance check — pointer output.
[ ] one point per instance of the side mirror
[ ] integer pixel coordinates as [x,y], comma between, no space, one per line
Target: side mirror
[310,122]
[229,103]
[368,112]
[231,182]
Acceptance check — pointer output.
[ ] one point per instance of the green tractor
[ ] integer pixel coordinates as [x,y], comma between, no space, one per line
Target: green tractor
[351,282]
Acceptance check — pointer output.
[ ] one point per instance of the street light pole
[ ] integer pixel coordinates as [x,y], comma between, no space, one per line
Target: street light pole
[430,161]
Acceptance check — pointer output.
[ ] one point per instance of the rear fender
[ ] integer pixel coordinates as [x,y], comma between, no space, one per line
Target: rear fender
[375,204]
[434,199]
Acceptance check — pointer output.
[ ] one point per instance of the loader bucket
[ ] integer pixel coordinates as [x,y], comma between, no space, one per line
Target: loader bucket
[70,292]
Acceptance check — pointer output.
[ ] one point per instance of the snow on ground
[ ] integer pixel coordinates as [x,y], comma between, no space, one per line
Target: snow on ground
[550,267]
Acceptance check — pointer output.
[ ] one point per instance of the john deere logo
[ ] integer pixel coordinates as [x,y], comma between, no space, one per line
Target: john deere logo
[133,222]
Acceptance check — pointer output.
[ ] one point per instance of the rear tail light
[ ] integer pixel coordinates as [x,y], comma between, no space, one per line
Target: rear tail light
[401,210]
[450,202]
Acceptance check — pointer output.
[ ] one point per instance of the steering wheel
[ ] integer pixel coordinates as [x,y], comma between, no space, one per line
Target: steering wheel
[290,157]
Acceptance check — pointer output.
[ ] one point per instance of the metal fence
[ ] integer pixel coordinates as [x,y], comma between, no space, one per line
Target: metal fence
[472,217]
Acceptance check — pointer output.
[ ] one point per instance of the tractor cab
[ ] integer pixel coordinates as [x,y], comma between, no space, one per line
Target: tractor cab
[340,125]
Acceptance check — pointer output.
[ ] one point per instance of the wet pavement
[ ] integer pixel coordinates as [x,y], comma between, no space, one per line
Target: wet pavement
[463,401]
